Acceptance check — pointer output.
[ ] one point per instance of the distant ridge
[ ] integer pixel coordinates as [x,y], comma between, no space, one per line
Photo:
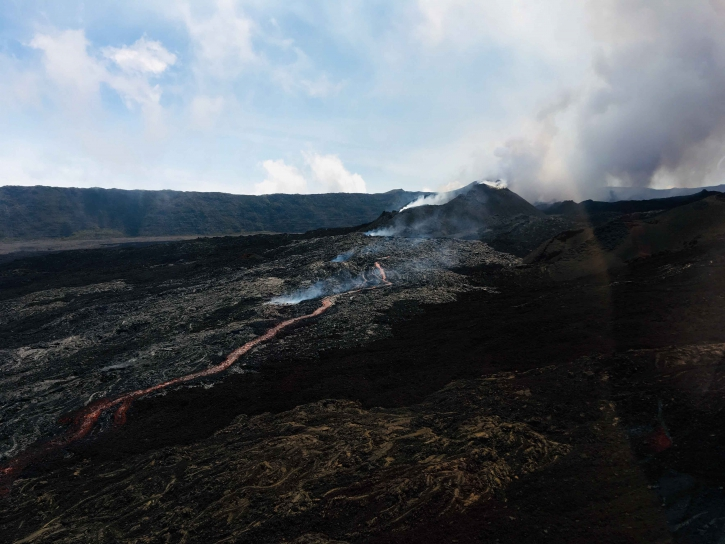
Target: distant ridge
[588,208]
[614,194]
[54,212]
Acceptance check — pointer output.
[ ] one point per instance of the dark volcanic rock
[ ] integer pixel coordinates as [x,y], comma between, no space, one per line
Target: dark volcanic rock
[494,215]
[596,213]
[471,215]
[592,250]
[106,322]
[273,477]
[474,400]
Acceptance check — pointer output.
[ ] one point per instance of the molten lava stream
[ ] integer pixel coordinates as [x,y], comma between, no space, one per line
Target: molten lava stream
[83,421]
[382,273]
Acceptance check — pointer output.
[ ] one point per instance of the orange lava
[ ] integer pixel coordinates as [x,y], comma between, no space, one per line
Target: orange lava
[83,421]
[382,273]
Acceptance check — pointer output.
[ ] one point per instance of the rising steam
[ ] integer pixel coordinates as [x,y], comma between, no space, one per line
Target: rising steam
[342,257]
[444,197]
[385,231]
[341,283]
[650,111]
[309,293]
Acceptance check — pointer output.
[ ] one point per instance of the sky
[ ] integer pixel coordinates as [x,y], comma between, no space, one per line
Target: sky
[555,97]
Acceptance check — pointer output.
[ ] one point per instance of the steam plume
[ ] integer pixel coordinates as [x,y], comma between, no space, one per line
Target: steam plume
[330,286]
[437,199]
[650,112]
[342,257]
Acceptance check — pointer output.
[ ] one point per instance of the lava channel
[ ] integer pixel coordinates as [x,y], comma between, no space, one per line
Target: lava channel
[83,421]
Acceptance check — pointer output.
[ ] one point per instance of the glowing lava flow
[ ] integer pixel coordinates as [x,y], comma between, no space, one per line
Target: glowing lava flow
[381,270]
[83,421]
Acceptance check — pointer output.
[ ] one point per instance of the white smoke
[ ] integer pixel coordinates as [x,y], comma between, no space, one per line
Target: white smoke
[649,112]
[331,286]
[384,231]
[432,200]
[444,197]
[314,291]
[498,184]
[342,257]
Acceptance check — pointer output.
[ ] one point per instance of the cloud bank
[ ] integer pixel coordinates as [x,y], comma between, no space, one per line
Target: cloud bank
[649,112]
[328,175]
[78,74]
[329,171]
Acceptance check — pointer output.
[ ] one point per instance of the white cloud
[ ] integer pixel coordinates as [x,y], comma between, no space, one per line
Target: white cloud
[138,63]
[281,178]
[552,29]
[436,92]
[67,62]
[135,91]
[72,67]
[330,172]
[28,163]
[144,57]
[222,41]
[25,165]
[291,80]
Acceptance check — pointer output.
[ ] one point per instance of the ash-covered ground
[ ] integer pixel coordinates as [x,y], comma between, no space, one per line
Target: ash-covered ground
[68,346]
[461,396]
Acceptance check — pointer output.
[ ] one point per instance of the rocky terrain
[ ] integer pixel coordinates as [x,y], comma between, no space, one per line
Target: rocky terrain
[479,211]
[613,244]
[68,346]
[274,476]
[593,213]
[431,390]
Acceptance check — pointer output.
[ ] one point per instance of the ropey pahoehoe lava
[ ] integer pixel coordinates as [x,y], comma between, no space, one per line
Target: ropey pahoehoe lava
[355,276]
[83,421]
[339,387]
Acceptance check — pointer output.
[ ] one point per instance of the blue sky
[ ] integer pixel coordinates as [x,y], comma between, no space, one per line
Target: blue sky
[316,96]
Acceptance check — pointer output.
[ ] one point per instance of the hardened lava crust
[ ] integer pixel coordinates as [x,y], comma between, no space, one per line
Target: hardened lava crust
[393,390]
[68,346]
